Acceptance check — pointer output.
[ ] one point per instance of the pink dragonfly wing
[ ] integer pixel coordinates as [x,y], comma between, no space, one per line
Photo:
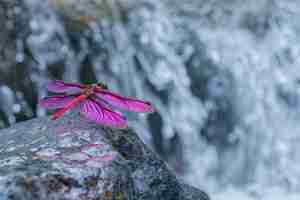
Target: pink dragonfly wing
[58,86]
[97,112]
[130,104]
[54,102]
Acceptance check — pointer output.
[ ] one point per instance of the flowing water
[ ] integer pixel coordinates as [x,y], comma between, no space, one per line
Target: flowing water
[223,76]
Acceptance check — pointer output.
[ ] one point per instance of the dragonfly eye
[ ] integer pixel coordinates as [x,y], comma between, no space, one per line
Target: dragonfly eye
[103,86]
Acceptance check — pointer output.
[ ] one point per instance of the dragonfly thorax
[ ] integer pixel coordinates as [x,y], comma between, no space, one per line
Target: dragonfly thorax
[88,90]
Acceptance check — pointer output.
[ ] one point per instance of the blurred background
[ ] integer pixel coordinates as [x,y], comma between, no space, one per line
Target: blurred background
[224,76]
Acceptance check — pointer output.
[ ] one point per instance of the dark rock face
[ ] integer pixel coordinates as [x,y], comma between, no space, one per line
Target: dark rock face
[71,158]
[7,48]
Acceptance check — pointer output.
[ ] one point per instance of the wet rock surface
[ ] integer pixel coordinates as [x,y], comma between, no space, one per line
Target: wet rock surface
[71,158]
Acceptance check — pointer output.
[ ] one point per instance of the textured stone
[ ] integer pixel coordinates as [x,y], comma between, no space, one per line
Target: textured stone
[71,158]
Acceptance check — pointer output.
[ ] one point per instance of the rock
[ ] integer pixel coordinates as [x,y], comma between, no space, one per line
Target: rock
[72,158]
[7,34]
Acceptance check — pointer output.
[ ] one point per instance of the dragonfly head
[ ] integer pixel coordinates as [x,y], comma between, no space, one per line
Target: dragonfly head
[90,89]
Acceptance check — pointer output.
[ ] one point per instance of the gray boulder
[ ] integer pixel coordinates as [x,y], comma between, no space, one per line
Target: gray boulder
[72,158]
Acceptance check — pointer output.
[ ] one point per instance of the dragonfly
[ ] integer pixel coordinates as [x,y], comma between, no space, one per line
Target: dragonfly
[96,102]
